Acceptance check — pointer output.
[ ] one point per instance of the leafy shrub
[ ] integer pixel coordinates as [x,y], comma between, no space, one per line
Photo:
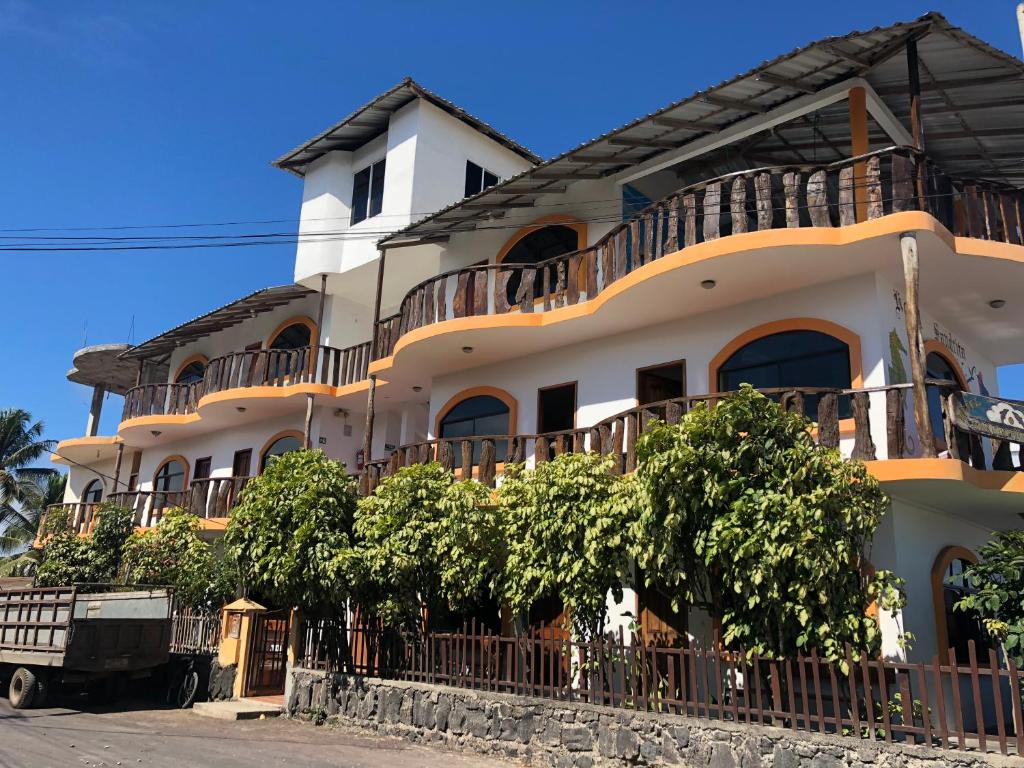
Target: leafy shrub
[998,596]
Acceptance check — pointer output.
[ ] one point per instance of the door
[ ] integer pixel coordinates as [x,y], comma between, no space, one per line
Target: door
[268,654]
[556,412]
[660,382]
[242,463]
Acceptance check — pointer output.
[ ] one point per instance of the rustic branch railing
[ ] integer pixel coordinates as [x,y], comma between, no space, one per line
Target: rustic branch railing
[949,703]
[80,516]
[195,631]
[616,436]
[893,180]
[252,368]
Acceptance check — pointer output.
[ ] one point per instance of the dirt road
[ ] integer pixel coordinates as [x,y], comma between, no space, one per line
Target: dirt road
[148,737]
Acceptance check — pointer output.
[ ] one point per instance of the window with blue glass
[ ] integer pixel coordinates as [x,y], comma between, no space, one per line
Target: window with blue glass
[477,416]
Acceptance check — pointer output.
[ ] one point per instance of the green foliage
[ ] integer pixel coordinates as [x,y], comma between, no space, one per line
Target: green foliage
[292,529]
[741,513]
[566,524]
[174,554]
[69,558]
[470,545]
[998,591]
[23,497]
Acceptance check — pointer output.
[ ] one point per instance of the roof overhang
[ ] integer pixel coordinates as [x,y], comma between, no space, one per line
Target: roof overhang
[972,105]
[230,314]
[101,365]
[371,120]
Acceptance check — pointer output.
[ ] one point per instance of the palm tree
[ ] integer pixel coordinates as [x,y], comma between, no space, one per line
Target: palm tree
[19,534]
[23,498]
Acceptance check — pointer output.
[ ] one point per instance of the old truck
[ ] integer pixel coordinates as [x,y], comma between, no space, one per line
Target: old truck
[86,634]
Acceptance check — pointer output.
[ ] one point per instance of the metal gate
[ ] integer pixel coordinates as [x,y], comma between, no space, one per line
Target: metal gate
[268,654]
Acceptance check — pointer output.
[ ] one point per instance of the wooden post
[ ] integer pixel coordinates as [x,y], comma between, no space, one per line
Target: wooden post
[138,376]
[376,312]
[368,430]
[307,426]
[117,465]
[915,344]
[914,79]
[92,425]
[858,106]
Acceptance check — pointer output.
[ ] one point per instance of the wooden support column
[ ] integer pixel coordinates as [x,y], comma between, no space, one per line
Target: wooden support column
[376,309]
[307,426]
[138,376]
[92,425]
[915,344]
[914,79]
[117,466]
[368,432]
[320,309]
[858,106]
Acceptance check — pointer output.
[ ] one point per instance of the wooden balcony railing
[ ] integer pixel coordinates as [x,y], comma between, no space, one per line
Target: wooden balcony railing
[485,456]
[879,183]
[252,368]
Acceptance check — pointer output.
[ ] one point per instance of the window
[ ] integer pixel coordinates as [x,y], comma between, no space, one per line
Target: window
[133,475]
[477,416]
[202,470]
[556,408]
[368,192]
[284,444]
[791,359]
[961,626]
[478,179]
[539,245]
[296,335]
[241,465]
[169,482]
[191,373]
[93,493]
[938,367]
[660,382]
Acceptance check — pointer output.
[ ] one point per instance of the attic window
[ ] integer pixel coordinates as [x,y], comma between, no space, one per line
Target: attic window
[368,192]
[478,179]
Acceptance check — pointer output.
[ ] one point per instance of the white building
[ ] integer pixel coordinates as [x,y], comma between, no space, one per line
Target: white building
[727,237]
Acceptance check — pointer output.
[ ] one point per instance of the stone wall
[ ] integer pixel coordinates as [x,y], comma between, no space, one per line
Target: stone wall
[545,732]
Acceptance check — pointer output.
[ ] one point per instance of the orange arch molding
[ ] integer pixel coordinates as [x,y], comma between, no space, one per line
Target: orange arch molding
[187,362]
[501,394]
[749,241]
[851,339]
[168,460]
[314,335]
[945,557]
[273,439]
[544,221]
[940,349]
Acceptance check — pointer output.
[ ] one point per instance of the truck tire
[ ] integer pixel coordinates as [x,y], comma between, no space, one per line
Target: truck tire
[24,686]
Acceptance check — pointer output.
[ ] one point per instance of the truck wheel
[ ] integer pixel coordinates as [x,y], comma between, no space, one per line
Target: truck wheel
[22,693]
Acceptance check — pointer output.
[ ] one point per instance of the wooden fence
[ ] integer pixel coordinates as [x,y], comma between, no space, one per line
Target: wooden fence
[195,631]
[948,703]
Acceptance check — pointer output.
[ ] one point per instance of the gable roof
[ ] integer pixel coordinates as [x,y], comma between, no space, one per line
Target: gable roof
[371,120]
[961,76]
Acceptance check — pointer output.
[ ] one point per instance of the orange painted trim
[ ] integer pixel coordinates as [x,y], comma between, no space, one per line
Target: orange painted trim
[273,439]
[942,561]
[940,349]
[96,441]
[892,224]
[314,333]
[899,470]
[501,394]
[165,462]
[545,221]
[187,362]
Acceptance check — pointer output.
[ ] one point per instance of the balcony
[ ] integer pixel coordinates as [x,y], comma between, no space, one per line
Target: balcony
[207,498]
[968,422]
[326,366]
[861,189]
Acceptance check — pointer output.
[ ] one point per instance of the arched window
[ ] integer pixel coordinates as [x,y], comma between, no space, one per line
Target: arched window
[476,416]
[539,245]
[938,366]
[169,482]
[93,493]
[956,628]
[191,373]
[293,334]
[286,442]
[792,358]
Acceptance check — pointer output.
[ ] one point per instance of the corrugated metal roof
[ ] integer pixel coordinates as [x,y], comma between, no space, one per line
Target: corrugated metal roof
[224,317]
[371,120]
[979,73]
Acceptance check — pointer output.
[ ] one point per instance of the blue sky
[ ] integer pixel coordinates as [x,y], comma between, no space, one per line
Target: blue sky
[143,113]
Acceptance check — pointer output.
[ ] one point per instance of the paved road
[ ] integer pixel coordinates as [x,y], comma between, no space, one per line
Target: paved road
[140,736]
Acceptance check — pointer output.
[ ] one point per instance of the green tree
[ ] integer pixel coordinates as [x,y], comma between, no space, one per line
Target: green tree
[743,515]
[292,530]
[21,532]
[470,545]
[566,525]
[22,496]
[175,554]
[69,558]
[998,591]
[114,526]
